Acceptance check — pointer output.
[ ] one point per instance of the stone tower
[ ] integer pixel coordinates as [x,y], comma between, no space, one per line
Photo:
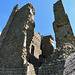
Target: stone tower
[61,25]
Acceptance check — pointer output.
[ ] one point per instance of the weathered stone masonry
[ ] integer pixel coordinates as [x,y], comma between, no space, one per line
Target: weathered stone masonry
[62,27]
[24,51]
[16,37]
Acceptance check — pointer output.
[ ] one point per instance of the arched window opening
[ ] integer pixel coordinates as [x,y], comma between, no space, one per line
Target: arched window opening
[32,50]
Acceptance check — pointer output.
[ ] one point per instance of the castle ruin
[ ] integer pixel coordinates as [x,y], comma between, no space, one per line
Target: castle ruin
[23,51]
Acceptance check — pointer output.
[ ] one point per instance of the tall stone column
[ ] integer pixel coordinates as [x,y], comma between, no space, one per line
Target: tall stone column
[64,37]
[61,25]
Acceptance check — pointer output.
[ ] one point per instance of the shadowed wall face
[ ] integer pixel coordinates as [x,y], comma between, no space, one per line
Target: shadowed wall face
[47,46]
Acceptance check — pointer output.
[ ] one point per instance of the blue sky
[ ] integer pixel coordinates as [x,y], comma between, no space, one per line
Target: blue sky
[44,16]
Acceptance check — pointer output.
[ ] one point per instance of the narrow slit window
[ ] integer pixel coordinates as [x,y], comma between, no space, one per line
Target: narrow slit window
[32,50]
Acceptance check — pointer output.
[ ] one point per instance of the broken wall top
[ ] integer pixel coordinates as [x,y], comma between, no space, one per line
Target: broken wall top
[61,17]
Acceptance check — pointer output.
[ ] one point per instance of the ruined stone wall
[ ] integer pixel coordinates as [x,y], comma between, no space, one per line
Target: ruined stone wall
[18,37]
[36,42]
[59,63]
[53,65]
[18,32]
